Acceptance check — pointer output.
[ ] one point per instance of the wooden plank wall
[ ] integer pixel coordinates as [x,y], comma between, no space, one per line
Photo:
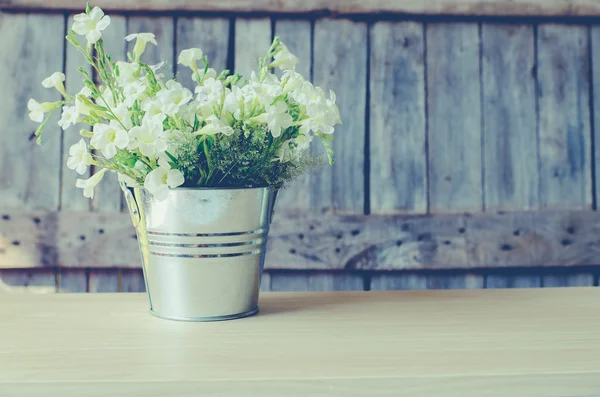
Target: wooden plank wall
[467,157]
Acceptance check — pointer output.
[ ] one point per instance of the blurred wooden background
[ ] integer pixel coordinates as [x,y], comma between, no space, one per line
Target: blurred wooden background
[467,157]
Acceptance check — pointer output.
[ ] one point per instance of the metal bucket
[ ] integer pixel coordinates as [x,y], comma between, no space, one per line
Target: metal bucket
[203,250]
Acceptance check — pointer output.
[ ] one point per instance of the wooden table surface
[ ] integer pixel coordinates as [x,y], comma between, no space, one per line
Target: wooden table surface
[519,342]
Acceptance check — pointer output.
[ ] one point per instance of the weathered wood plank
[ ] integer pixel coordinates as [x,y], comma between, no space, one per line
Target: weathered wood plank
[340,51]
[296,34]
[28,280]
[398,281]
[210,34]
[28,240]
[71,196]
[107,195]
[509,118]
[163,29]
[252,41]
[455,281]
[398,178]
[30,50]
[564,129]
[132,280]
[310,281]
[454,117]
[569,280]
[512,281]
[444,7]
[331,242]
[103,280]
[72,280]
[595,48]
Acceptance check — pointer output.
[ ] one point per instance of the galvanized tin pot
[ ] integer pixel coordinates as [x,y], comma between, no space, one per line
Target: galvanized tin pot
[202,250]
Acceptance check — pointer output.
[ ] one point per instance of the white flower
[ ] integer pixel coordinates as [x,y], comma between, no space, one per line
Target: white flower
[123,114]
[323,113]
[239,101]
[276,117]
[69,117]
[152,107]
[173,96]
[56,80]
[88,185]
[127,73]
[149,137]
[284,59]
[214,126]
[79,158]
[200,75]
[91,25]
[210,90]
[189,57]
[159,180]
[37,110]
[85,91]
[133,91]
[267,90]
[82,105]
[291,81]
[140,43]
[106,98]
[108,137]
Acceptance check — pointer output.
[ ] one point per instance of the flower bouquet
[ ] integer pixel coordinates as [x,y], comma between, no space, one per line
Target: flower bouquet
[200,169]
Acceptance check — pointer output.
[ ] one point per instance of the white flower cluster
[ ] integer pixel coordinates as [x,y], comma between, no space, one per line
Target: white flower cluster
[134,113]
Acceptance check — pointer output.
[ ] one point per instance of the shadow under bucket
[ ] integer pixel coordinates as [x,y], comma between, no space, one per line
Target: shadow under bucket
[203,250]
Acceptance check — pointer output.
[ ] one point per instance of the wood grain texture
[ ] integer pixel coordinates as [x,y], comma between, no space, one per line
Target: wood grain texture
[454,117]
[516,281]
[595,48]
[71,197]
[310,281]
[564,130]
[107,195]
[132,280]
[330,242]
[509,118]
[72,280]
[30,280]
[103,280]
[252,41]
[398,179]
[211,35]
[296,34]
[398,281]
[164,30]
[444,7]
[340,50]
[569,280]
[31,48]
[416,343]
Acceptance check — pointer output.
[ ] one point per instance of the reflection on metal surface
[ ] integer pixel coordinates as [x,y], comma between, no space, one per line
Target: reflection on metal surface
[202,250]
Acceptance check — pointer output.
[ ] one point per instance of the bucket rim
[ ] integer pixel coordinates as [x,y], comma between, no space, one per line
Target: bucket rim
[200,188]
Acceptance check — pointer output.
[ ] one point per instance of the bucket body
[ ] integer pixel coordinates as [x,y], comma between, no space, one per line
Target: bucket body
[202,250]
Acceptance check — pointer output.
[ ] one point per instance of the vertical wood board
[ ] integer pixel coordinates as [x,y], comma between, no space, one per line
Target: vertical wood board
[28,280]
[392,281]
[564,129]
[132,280]
[252,41]
[398,172]
[209,34]
[72,280]
[569,280]
[103,280]
[314,281]
[340,63]
[30,50]
[509,117]
[296,35]
[163,29]
[454,117]
[516,281]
